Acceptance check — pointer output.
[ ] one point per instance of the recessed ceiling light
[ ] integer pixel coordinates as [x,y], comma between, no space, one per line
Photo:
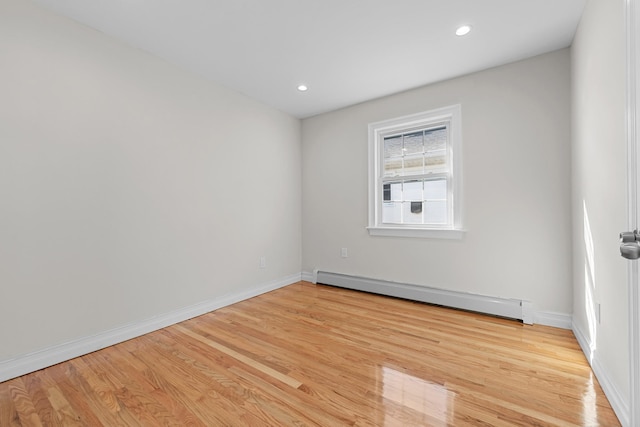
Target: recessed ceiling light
[303,88]
[463,30]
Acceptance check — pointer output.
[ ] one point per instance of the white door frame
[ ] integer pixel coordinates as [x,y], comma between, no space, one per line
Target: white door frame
[632,18]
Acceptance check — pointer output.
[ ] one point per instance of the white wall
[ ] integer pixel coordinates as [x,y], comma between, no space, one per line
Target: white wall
[517,209]
[599,192]
[120,178]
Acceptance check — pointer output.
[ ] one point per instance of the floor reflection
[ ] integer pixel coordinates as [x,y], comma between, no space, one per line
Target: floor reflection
[417,394]
[589,404]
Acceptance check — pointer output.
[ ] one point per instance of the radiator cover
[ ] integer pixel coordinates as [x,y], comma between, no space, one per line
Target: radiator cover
[504,307]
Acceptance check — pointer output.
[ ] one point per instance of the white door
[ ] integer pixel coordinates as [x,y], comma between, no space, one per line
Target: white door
[628,250]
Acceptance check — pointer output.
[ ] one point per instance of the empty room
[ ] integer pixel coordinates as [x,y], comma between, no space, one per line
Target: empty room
[320,213]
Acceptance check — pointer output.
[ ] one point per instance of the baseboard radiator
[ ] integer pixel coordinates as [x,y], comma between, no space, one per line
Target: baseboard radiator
[510,308]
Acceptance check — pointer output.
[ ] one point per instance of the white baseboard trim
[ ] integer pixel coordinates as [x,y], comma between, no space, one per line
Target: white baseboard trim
[618,403]
[31,362]
[308,276]
[557,320]
[511,308]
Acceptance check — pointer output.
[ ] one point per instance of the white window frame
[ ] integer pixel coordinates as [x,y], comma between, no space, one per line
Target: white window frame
[377,131]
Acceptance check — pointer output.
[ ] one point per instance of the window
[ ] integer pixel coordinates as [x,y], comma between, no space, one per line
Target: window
[415,175]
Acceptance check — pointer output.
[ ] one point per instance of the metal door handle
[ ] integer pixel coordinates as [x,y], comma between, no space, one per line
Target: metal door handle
[630,244]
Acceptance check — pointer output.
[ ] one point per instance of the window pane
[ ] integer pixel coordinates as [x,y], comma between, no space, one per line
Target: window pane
[396,191]
[412,216]
[435,212]
[393,166]
[413,143]
[392,212]
[392,192]
[436,189]
[413,165]
[393,146]
[436,162]
[412,191]
[435,140]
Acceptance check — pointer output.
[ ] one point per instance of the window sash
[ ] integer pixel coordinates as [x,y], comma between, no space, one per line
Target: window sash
[440,173]
[404,201]
[399,149]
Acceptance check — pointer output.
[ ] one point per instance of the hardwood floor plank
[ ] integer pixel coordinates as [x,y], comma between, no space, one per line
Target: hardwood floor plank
[230,373]
[8,411]
[313,355]
[138,379]
[23,404]
[103,395]
[63,410]
[140,405]
[41,403]
[198,389]
[241,357]
[106,386]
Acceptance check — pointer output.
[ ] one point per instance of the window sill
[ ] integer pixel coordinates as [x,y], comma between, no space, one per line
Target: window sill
[428,233]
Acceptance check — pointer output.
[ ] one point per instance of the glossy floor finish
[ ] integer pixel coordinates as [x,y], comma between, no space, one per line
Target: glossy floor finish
[321,356]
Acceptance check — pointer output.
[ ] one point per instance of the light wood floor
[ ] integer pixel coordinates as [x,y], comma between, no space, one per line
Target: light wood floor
[321,356]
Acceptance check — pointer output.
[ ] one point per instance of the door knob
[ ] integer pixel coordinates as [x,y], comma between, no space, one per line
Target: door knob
[628,236]
[630,244]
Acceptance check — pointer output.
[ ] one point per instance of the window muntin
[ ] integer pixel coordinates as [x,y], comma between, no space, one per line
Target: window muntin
[415,173]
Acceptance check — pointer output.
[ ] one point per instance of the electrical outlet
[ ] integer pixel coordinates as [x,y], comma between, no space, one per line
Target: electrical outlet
[344,252]
[263,262]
